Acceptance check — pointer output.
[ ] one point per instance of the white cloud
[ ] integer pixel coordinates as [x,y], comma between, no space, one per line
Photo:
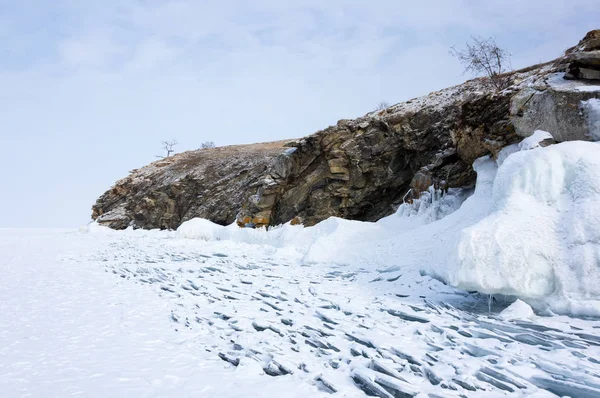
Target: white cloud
[150,54]
[91,50]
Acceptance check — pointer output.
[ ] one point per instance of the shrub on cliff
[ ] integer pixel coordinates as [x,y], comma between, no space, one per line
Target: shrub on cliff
[484,56]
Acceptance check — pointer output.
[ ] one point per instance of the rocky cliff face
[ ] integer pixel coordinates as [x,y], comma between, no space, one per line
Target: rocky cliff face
[364,168]
[208,183]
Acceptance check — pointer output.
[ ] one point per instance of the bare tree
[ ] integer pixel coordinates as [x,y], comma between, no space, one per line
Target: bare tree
[484,56]
[207,144]
[169,147]
[382,105]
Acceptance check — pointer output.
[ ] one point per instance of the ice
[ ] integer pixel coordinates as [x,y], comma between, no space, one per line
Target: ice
[435,300]
[146,313]
[588,89]
[529,230]
[533,141]
[591,109]
[541,240]
[517,310]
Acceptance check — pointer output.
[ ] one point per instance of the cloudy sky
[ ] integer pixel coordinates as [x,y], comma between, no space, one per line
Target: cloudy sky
[88,89]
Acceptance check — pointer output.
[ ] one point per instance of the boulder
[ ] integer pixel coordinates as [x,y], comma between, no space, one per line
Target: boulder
[555,105]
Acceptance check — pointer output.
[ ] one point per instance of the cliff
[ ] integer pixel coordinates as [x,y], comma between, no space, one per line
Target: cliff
[364,168]
[210,183]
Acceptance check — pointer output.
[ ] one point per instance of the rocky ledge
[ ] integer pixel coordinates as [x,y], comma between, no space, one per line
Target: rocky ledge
[364,168]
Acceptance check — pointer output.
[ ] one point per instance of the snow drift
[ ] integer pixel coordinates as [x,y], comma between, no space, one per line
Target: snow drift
[531,229]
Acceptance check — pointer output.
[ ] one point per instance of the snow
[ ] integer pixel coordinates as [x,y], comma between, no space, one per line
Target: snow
[534,140]
[101,313]
[530,230]
[557,82]
[588,89]
[591,109]
[434,300]
[519,310]
[70,328]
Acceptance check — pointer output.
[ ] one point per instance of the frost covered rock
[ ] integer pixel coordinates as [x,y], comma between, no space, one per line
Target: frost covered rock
[363,169]
[554,104]
[541,240]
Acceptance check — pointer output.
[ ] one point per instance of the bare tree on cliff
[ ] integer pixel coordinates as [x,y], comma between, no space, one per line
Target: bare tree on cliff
[169,147]
[484,56]
[207,144]
[382,105]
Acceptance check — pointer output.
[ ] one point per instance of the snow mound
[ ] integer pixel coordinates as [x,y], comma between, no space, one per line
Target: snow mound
[534,140]
[541,240]
[201,229]
[519,310]
[333,240]
[310,242]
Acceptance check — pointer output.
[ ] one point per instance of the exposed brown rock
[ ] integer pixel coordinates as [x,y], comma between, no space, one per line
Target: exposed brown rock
[209,183]
[363,169]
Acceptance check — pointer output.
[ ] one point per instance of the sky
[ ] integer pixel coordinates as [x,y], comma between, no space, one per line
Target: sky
[89,89]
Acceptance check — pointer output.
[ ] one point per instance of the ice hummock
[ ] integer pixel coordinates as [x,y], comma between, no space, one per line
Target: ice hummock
[541,240]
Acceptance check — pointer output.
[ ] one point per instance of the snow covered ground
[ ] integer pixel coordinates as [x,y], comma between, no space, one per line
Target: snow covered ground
[145,314]
[344,309]
[69,326]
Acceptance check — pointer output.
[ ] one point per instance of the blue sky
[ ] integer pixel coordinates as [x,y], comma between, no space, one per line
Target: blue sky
[89,89]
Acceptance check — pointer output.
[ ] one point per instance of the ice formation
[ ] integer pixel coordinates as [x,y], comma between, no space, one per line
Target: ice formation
[591,108]
[541,241]
[531,229]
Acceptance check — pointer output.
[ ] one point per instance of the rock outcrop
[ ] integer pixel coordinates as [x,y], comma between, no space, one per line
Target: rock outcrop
[584,58]
[364,168]
[556,102]
[209,183]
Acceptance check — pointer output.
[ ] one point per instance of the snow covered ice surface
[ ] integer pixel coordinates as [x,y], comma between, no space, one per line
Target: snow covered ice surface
[70,327]
[138,313]
[344,308]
